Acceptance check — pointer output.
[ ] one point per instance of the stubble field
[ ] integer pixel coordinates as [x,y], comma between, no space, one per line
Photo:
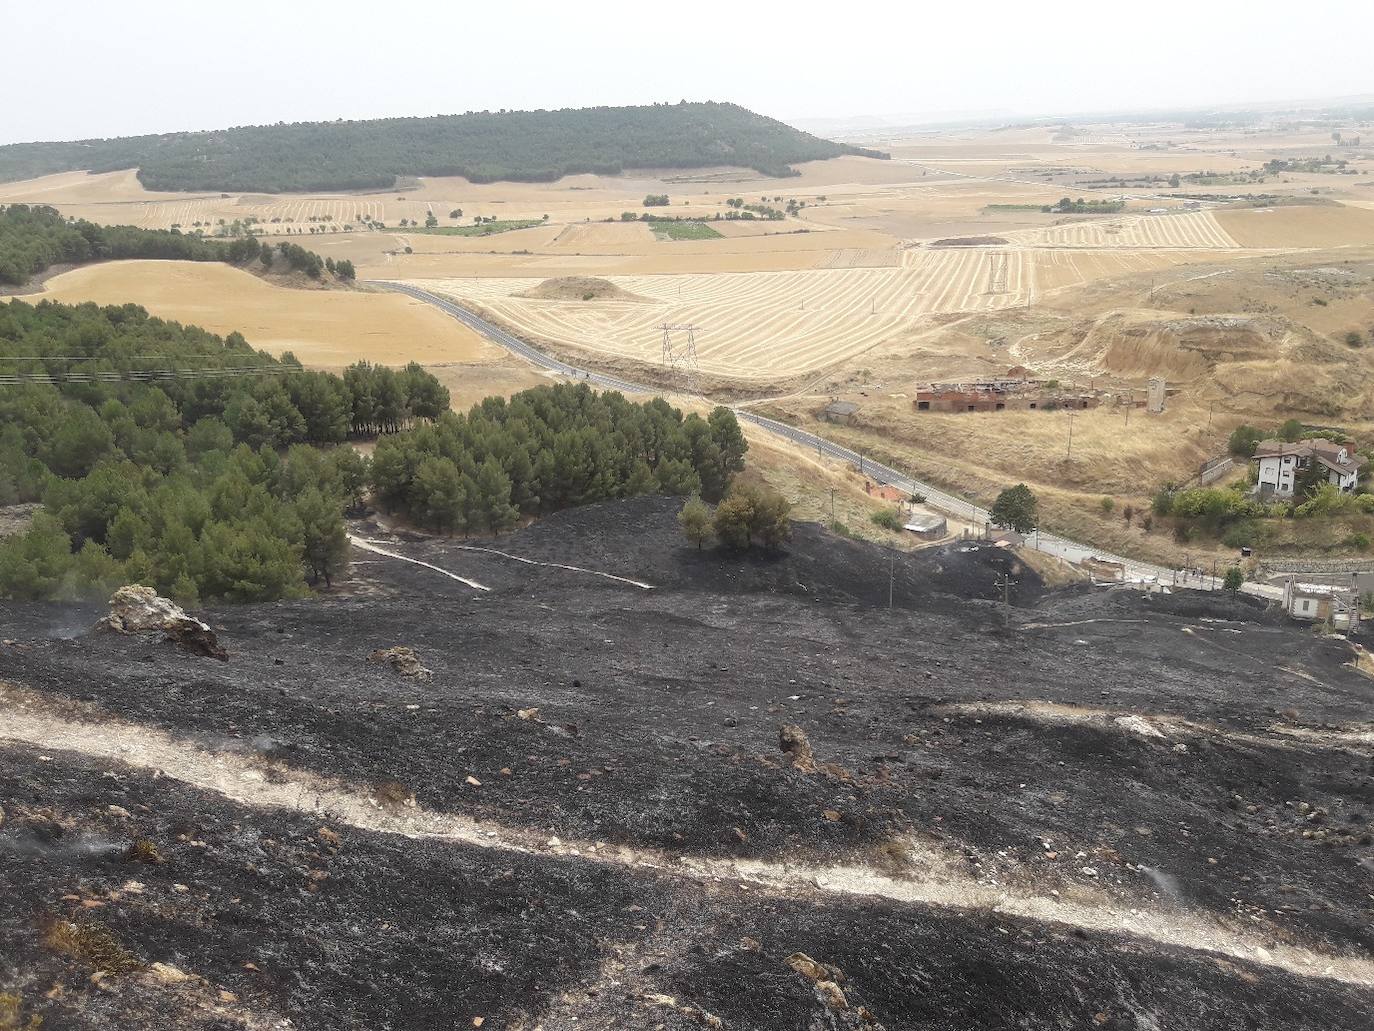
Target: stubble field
[323,328]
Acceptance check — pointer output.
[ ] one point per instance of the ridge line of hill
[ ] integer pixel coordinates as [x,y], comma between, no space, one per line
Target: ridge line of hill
[522,146]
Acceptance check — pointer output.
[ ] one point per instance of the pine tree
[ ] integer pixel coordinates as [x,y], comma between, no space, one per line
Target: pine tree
[493,497]
[444,500]
[324,541]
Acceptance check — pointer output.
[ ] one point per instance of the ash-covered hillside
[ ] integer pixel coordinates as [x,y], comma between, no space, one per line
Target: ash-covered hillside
[608,781]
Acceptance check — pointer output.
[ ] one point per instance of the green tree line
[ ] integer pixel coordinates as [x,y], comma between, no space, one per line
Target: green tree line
[550,448]
[166,455]
[32,239]
[528,146]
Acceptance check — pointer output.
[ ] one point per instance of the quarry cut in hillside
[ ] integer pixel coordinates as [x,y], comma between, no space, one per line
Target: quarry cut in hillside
[645,786]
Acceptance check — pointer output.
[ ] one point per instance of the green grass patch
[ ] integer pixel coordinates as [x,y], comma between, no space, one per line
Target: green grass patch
[1013,207]
[484,229]
[683,231]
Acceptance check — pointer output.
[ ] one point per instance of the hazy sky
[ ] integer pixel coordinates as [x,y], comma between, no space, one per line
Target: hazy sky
[118,67]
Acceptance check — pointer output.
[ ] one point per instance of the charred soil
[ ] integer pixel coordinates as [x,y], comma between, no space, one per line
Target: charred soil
[1088,809]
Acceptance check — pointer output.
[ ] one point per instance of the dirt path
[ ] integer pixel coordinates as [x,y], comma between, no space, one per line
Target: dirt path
[366,545]
[555,565]
[937,879]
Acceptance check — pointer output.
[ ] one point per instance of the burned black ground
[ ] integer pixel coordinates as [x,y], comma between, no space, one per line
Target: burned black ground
[657,726]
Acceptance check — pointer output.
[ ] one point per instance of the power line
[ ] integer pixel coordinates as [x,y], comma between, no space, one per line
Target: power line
[145,375]
[104,358]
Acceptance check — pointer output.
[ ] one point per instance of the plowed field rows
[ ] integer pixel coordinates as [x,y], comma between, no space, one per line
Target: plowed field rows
[761,324]
[1189,229]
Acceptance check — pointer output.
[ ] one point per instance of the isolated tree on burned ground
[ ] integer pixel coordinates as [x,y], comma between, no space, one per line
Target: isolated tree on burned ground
[695,520]
[1016,508]
[750,514]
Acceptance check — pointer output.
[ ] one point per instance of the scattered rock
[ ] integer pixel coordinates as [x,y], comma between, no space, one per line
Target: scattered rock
[813,971]
[836,1011]
[402,659]
[1137,725]
[831,995]
[136,609]
[391,794]
[669,1002]
[165,973]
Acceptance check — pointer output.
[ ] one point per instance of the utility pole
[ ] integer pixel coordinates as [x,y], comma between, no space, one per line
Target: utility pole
[832,504]
[891,575]
[1068,454]
[1210,409]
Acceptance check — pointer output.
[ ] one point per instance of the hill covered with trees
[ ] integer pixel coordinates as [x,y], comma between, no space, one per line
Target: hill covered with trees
[33,239]
[526,146]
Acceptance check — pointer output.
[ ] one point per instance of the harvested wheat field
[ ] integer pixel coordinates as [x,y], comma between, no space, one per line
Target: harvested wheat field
[765,325]
[324,328]
[1187,230]
[1300,226]
[760,325]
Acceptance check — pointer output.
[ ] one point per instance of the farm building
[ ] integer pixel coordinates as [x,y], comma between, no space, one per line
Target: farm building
[1282,463]
[839,411]
[997,395]
[930,526]
[1322,603]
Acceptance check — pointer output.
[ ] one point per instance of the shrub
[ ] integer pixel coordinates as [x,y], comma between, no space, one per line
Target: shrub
[1240,535]
[1358,541]
[749,514]
[887,518]
[1326,499]
[1354,338]
[1243,440]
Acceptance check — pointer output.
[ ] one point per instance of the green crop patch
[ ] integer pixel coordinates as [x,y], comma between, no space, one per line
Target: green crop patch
[684,231]
[480,229]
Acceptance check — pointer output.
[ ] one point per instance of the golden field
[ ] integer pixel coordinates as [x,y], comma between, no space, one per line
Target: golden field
[324,328]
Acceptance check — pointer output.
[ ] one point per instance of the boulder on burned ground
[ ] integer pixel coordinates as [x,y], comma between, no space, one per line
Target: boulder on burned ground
[793,740]
[837,1012]
[137,609]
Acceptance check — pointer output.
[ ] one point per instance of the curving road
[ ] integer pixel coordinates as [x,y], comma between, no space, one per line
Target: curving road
[961,508]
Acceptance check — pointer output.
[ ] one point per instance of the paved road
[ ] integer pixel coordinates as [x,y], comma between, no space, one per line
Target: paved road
[950,504]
